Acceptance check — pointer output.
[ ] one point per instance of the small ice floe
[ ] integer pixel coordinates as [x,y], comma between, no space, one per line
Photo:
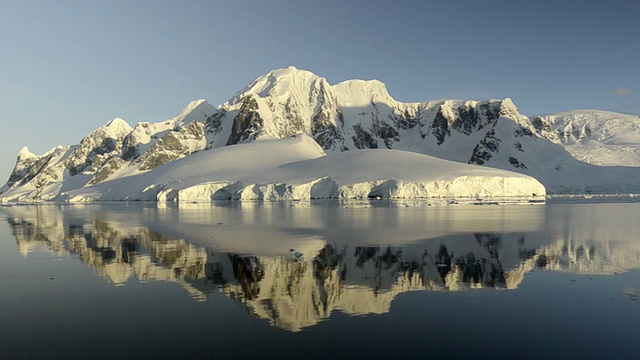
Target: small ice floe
[631,293]
[296,254]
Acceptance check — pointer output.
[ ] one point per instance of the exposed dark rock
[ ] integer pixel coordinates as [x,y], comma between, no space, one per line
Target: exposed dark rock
[386,132]
[522,132]
[405,121]
[483,150]
[87,157]
[172,146]
[28,172]
[325,132]
[363,139]
[440,127]
[109,168]
[491,113]
[516,163]
[213,124]
[130,153]
[518,146]
[540,125]
[247,123]
[467,120]
[294,124]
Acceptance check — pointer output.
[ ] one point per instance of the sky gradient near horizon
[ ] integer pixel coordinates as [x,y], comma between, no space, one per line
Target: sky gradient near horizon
[68,67]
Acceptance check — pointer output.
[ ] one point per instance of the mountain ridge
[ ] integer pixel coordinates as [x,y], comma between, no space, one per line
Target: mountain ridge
[594,136]
[353,114]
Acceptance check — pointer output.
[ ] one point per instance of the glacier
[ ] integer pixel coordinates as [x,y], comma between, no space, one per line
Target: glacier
[296,168]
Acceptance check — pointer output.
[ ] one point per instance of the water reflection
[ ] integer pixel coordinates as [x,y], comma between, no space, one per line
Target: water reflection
[354,260]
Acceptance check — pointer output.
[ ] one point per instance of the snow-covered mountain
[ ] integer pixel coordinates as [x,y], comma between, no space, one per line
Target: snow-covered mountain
[594,136]
[351,115]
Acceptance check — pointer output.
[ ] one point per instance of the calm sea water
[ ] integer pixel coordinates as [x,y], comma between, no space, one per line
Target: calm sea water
[323,280]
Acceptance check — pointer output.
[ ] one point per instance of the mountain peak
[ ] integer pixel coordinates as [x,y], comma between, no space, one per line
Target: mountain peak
[25,154]
[593,112]
[117,122]
[361,92]
[508,102]
[278,83]
[116,128]
[195,110]
[290,70]
[281,83]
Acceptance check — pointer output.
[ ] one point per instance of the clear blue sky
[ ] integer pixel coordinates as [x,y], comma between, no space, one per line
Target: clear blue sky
[68,67]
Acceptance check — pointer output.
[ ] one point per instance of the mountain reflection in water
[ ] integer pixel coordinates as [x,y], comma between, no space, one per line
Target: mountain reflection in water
[354,260]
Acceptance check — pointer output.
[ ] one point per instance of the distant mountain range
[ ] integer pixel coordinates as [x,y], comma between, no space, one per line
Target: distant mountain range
[575,152]
[594,136]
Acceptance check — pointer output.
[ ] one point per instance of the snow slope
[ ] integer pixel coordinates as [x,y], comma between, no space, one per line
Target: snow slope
[296,168]
[594,136]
